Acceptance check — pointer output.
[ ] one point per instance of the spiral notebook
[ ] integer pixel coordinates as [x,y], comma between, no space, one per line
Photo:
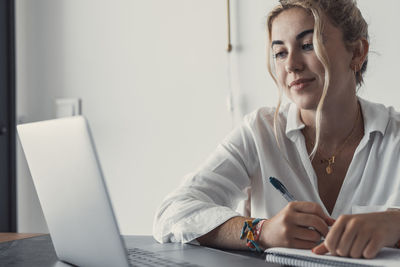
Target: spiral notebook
[301,257]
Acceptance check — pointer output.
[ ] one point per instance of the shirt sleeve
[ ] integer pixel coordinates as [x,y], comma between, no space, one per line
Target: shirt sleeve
[207,198]
[394,201]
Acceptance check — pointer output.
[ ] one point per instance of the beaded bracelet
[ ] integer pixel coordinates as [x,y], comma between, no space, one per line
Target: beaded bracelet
[258,230]
[252,230]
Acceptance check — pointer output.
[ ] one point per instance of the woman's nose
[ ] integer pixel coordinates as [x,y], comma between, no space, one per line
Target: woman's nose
[294,63]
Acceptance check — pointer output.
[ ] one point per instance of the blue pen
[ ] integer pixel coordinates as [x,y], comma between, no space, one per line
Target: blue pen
[281,188]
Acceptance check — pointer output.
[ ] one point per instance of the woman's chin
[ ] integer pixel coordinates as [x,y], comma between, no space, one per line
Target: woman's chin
[306,103]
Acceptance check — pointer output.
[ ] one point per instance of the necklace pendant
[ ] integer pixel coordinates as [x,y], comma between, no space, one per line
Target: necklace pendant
[329,169]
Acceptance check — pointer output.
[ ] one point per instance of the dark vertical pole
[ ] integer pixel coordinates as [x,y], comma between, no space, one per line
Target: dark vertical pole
[7,118]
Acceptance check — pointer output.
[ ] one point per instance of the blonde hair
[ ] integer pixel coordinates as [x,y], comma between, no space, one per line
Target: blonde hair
[343,14]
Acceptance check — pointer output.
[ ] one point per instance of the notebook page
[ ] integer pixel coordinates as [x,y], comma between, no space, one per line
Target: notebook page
[386,257]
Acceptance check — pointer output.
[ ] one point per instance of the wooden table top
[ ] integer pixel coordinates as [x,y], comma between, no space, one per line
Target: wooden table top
[5,237]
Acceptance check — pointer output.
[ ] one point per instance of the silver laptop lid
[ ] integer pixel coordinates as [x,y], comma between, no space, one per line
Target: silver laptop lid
[67,176]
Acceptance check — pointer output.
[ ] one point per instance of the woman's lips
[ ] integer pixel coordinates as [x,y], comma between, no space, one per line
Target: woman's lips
[300,83]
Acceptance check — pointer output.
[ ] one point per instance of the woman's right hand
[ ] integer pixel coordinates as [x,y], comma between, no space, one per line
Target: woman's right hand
[298,225]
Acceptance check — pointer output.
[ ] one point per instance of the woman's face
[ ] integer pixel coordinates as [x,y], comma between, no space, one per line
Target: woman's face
[298,70]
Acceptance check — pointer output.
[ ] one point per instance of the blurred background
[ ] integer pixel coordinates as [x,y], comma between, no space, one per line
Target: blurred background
[157,85]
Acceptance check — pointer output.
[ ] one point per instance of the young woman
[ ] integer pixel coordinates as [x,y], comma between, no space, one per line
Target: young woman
[336,153]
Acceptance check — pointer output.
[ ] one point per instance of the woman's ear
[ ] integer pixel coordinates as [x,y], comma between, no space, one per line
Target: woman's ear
[360,50]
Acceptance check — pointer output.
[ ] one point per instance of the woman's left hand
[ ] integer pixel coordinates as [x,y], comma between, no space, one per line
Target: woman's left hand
[361,235]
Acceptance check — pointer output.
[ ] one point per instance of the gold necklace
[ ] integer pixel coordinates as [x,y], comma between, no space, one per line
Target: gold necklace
[331,160]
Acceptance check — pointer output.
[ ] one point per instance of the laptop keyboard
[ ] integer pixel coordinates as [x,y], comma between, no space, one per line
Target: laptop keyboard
[140,257]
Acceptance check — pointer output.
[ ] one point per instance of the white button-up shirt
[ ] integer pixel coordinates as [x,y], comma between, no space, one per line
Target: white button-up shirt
[240,168]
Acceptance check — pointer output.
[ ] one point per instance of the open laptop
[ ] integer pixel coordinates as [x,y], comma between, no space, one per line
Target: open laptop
[68,180]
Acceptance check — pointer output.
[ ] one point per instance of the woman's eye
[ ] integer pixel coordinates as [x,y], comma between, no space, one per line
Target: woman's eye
[279,55]
[308,47]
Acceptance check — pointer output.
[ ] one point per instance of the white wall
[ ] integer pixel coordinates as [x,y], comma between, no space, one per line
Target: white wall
[152,76]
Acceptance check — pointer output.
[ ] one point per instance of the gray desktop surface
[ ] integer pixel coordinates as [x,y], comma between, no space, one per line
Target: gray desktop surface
[39,251]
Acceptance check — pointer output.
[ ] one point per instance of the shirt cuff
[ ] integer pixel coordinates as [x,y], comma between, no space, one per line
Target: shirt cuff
[201,223]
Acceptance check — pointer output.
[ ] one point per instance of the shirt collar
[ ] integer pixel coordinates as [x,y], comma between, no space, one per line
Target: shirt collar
[376,118]
[294,123]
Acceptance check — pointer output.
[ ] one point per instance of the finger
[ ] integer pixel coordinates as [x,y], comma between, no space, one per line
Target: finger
[371,249]
[346,241]
[307,234]
[313,208]
[359,244]
[320,249]
[331,221]
[335,233]
[314,221]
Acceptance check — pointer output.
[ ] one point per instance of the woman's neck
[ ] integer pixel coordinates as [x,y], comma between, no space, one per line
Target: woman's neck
[339,120]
